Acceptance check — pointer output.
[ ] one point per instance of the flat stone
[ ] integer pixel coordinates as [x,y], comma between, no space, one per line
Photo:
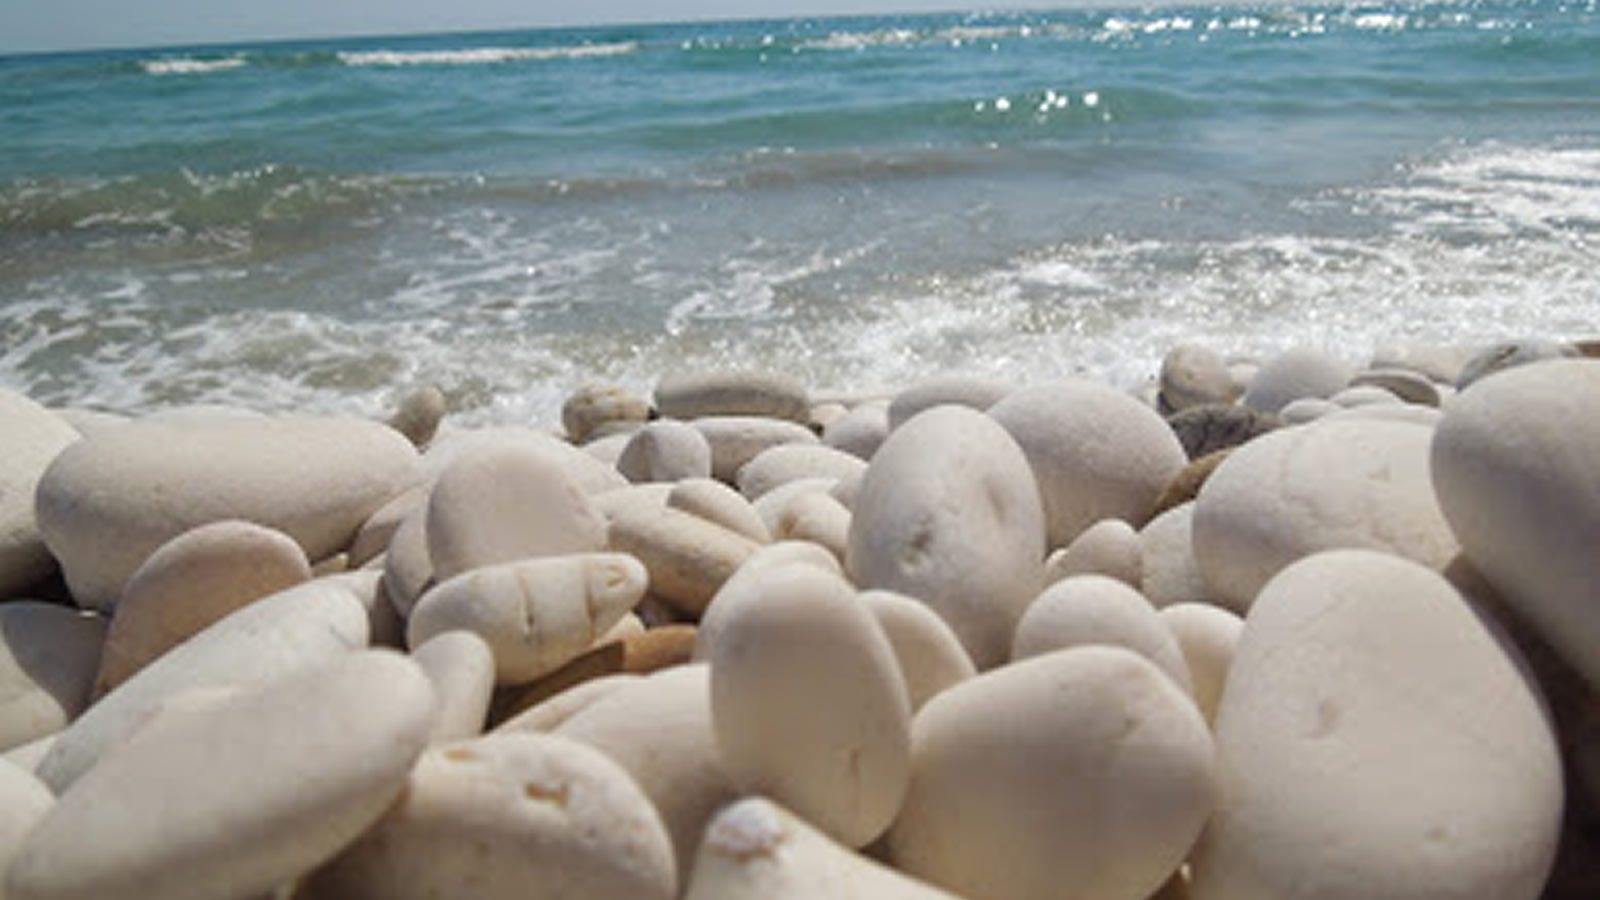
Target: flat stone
[213,801]
[699,395]
[1108,547]
[721,505]
[48,655]
[1293,374]
[1375,739]
[949,513]
[107,502]
[807,701]
[1203,430]
[535,614]
[861,431]
[1171,573]
[276,636]
[930,656]
[735,440]
[1510,354]
[504,503]
[1344,483]
[688,558]
[755,848]
[30,439]
[1194,376]
[1086,610]
[1207,635]
[1085,767]
[190,582]
[594,406]
[460,666]
[971,391]
[1096,453]
[792,462]
[1514,464]
[523,816]
[666,450]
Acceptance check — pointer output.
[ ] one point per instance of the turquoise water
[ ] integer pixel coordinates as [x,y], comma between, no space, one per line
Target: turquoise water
[323,225]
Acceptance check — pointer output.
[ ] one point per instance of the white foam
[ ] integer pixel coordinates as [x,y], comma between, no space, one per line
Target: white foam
[183,65]
[472,56]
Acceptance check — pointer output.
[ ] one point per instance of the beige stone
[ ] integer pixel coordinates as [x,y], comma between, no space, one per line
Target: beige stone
[791,462]
[190,582]
[771,556]
[1109,547]
[971,391]
[30,439]
[735,440]
[1207,636]
[1093,609]
[719,504]
[771,505]
[419,415]
[1171,573]
[1192,375]
[48,655]
[696,395]
[861,431]
[596,405]
[667,450]
[930,656]
[688,558]
[590,474]
[460,666]
[1293,374]
[816,517]
[407,567]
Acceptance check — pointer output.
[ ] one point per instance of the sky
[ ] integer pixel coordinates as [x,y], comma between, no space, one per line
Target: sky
[46,25]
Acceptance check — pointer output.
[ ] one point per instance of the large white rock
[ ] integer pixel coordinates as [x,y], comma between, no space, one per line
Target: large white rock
[757,849]
[1377,741]
[1516,463]
[507,502]
[1097,453]
[109,501]
[190,582]
[535,614]
[1293,374]
[807,701]
[949,513]
[510,817]
[275,636]
[238,796]
[1291,493]
[1083,773]
[30,438]
[930,656]
[1095,609]
[48,655]
[24,800]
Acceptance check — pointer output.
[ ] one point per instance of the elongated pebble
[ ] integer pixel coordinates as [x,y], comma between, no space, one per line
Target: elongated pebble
[931,658]
[48,655]
[861,431]
[1094,609]
[667,450]
[718,503]
[757,850]
[949,513]
[595,406]
[1377,740]
[791,462]
[972,391]
[292,630]
[190,582]
[30,439]
[535,614]
[735,440]
[817,517]
[808,703]
[143,825]
[1207,636]
[510,817]
[695,395]
[688,558]
[460,667]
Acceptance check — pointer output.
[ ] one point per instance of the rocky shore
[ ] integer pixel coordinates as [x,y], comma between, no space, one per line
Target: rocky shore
[1297,627]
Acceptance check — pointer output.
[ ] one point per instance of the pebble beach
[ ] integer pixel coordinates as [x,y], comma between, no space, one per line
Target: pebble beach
[1294,625]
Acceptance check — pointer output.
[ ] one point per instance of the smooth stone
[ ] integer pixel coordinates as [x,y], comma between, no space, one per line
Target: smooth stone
[659,729]
[1293,374]
[1080,773]
[375,535]
[816,517]
[190,582]
[1514,464]
[419,415]
[824,414]
[1186,485]
[1194,376]
[48,655]
[407,567]
[1203,430]
[1377,739]
[607,448]
[808,703]
[24,802]
[930,656]
[504,503]
[1096,453]
[1171,573]
[535,614]
[550,711]
[721,505]
[276,636]
[460,666]
[666,450]
[1508,355]
[1426,416]
[735,440]
[89,421]
[971,391]
[846,489]
[30,439]
[698,395]
[1411,387]
[590,474]
[1108,547]
[771,505]
[1441,365]
[771,556]
[757,849]
[306,763]
[1346,483]
[1307,409]
[385,628]
[1207,635]
[524,816]
[108,502]
[791,462]
[861,431]
[949,513]
[688,558]
[644,496]
[596,405]
[1086,610]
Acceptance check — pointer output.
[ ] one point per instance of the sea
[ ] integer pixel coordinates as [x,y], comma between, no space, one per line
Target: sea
[323,226]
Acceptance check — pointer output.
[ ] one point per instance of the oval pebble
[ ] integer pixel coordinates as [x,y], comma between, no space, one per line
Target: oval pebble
[24,800]
[48,654]
[721,505]
[1375,739]
[30,439]
[790,462]
[1094,609]
[971,391]
[1108,547]
[930,657]
[460,666]
[1171,574]
[1207,636]
[688,558]
[595,406]
[861,431]
[694,395]
[735,440]
[1293,374]
[667,450]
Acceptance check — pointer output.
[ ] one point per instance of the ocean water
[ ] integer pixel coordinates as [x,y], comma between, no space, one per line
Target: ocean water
[859,201]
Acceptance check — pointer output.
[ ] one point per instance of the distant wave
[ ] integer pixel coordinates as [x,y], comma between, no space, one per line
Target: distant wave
[472,56]
[184,65]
